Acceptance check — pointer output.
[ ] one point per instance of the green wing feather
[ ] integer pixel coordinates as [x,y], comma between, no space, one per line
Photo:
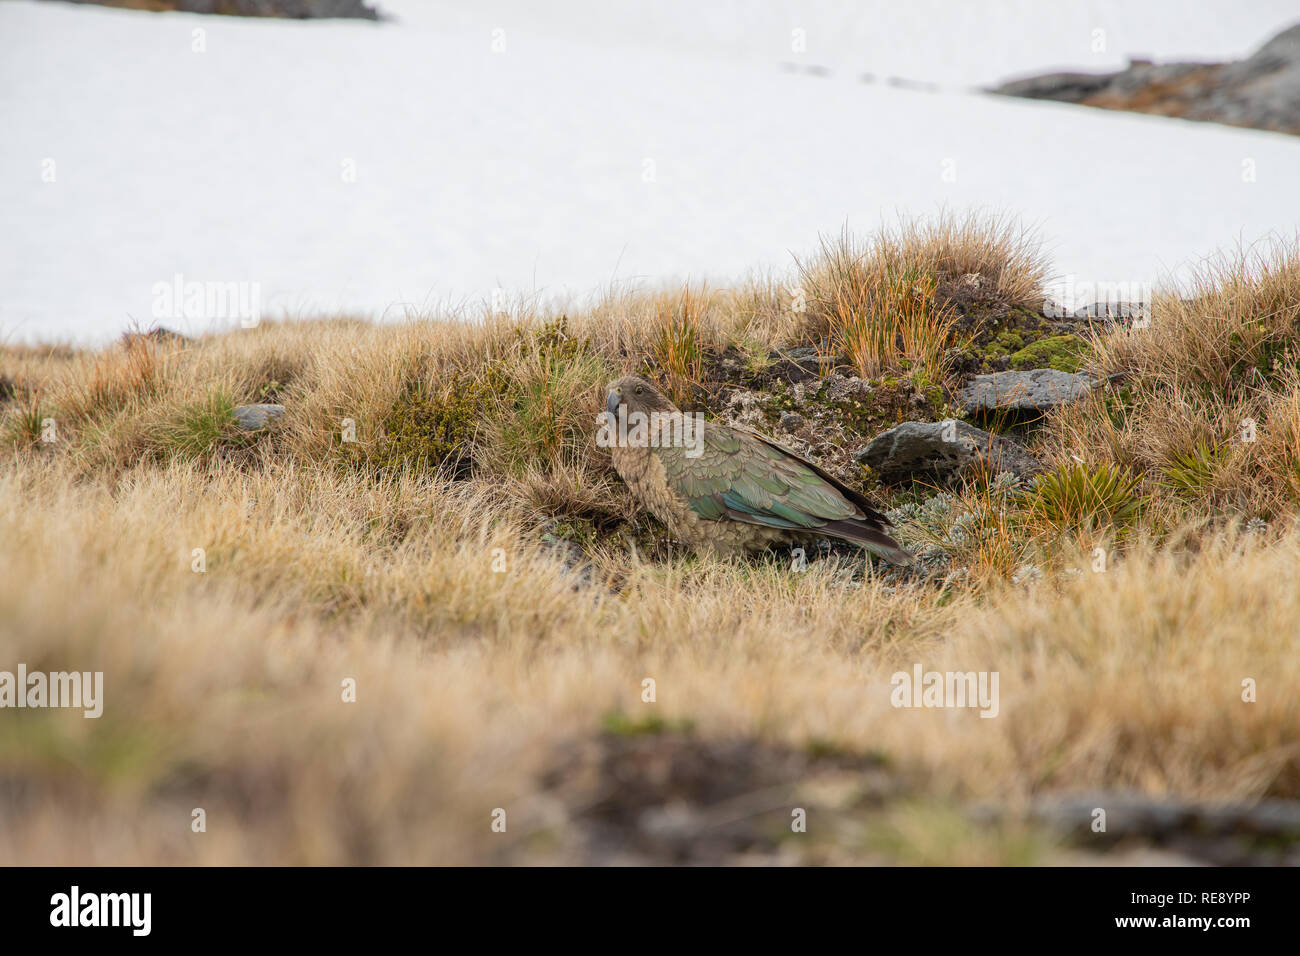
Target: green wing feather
[738,476]
[746,477]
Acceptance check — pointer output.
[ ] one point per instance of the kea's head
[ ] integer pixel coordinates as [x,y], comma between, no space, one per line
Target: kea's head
[637,395]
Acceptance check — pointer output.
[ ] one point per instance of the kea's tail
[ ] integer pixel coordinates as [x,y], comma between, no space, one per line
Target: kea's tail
[863,533]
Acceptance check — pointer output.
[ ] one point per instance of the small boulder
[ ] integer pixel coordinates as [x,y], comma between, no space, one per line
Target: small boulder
[1023,392]
[792,422]
[253,418]
[942,450]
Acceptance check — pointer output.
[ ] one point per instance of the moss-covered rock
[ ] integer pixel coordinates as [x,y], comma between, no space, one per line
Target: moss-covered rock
[1065,353]
[993,337]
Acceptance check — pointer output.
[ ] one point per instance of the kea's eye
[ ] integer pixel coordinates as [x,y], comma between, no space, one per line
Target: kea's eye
[639,389]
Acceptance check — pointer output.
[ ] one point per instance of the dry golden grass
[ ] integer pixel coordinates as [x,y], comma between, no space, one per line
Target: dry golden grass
[479,654]
[223,688]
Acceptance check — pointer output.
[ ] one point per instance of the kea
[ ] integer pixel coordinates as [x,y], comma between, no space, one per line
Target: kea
[724,490]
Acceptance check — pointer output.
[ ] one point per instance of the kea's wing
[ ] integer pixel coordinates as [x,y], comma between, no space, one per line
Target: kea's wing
[746,477]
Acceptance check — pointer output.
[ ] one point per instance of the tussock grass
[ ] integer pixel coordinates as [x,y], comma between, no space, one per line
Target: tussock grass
[678,342]
[199,428]
[887,302]
[1006,257]
[883,320]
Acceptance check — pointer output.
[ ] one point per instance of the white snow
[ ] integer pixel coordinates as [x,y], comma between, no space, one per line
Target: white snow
[948,42]
[525,170]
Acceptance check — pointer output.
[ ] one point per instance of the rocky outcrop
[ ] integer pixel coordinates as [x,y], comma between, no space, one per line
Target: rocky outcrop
[1261,92]
[942,450]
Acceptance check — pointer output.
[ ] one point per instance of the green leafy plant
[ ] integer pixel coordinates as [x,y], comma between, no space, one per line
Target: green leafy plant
[1194,470]
[1078,496]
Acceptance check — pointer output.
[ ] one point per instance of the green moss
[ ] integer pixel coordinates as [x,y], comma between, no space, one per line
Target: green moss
[580,531]
[622,725]
[999,336]
[1065,353]
[1006,342]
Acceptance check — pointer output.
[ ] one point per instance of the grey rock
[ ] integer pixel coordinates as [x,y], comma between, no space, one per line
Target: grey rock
[253,418]
[1033,391]
[942,450]
[1264,833]
[791,422]
[1136,814]
[1262,91]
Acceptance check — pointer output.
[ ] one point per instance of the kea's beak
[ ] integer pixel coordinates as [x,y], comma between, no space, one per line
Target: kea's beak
[611,403]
